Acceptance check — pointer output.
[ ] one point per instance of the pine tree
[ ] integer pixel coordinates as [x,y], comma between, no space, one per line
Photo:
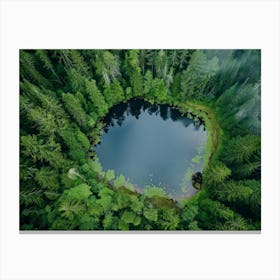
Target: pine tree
[198,73]
[236,223]
[216,173]
[148,83]
[76,81]
[47,63]
[133,72]
[213,212]
[77,143]
[79,63]
[241,149]
[75,109]
[44,121]
[107,66]
[38,150]
[70,209]
[161,64]
[28,70]
[95,97]
[48,178]
[113,93]
[233,191]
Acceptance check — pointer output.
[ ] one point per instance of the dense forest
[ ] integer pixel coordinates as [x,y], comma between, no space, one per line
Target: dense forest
[64,98]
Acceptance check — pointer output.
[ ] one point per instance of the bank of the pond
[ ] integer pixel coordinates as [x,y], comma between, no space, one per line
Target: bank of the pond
[198,110]
[213,129]
[153,145]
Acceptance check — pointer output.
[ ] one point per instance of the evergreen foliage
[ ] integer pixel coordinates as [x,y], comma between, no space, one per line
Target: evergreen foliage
[64,98]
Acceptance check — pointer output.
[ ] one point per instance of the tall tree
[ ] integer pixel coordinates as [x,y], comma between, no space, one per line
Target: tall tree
[28,70]
[133,72]
[198,73]
[107,66]
[95,96]
[75,109]
[47,63]
[39,150]
[113,93]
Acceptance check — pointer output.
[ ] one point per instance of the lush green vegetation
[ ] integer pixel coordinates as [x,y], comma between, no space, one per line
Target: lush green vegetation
[64,96]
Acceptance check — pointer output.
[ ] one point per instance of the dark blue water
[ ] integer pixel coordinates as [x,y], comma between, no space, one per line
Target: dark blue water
[152,145]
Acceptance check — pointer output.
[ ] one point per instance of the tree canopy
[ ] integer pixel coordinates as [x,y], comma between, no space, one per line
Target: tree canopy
[64,98]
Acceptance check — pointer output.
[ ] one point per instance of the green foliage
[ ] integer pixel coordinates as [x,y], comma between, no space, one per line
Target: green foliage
[113,93]
[64,97]
[136,204]
[48,178]
[216,173]
[94,208]
[75,109]
[240,149]
[159,90]
[77,143]
[120,201]
[37,150]
[43,121]
[236,223]
[154,191]
[171,219]
[78,62]
[161,65]
[106,66]
[198,75]
[76,81]
[211,213]
[119,181]
[110,175]
[148,83]
[95,96]
[70,209]
[47,63]
[189,213]
[151,214]
[196,159]
[129,217]
[239,107]
[28,70]
[233,191]
[133,72]
[106,198]
[89,223]
[194,226]
[79,193]
[31,197]
[95,165]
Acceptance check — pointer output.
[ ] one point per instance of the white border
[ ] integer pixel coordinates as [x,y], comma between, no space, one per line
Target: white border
[155,24]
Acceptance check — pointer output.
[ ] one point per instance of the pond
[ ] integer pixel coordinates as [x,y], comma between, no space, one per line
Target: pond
[153,145]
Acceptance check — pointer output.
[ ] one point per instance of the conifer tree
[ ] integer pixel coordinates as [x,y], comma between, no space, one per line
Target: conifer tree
[47,63]
[75,109]
[78,63]
[133,72]
[95,97]
[107,66]
[29,70]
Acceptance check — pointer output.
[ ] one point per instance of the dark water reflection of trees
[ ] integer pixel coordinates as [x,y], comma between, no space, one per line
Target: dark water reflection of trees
[135,106]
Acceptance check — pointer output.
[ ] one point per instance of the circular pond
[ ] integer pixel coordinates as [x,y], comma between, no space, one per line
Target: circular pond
[153,145]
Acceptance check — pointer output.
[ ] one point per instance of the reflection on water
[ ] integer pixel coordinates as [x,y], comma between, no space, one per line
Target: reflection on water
[152,145]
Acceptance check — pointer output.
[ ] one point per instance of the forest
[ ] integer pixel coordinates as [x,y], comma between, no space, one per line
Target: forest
[65,96]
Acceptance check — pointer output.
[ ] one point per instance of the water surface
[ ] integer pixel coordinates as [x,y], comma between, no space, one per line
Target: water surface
[152,145]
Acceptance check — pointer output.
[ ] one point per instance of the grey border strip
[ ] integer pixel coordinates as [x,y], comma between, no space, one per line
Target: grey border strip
[101,232]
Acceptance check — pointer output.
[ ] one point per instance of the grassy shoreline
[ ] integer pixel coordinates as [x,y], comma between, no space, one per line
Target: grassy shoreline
[199,110]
